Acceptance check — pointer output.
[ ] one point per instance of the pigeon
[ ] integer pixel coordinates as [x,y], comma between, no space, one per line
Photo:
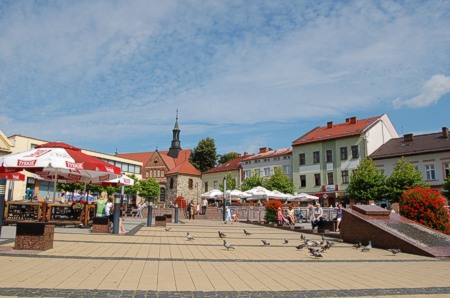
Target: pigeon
[222,235]
[317,254]
[227,245]
[300,246]
[189,236]
[368,247]
[285,241]
[247,233]
[316,243]
[168,229]
[302,237]
[313,249]
[357,245]
[394,251]
[265,242]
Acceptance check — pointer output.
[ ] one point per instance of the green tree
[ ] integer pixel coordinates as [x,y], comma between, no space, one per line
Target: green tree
[252,181]
[204,156]
[446,188]
[366,182]
[149,188]
[227,157]
[403,177]
[132,190]
[231,183]
[279,181]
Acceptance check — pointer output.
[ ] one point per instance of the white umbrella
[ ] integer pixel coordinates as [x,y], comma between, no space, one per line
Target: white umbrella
[236,193]
[302,197]
[212,194]
[276,195]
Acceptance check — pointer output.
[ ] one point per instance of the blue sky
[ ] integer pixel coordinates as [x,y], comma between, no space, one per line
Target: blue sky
[108,74]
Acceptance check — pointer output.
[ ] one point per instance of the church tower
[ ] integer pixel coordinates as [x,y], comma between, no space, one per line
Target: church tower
[175,147]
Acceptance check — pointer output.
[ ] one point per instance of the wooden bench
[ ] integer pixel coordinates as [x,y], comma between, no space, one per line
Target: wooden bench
[160,221]
[326,225]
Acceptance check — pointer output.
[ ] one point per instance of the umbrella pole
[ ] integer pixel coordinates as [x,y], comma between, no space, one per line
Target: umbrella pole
[54,186]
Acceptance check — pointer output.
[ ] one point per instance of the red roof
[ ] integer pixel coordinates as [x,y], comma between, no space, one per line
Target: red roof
[230,165]
[351,127]
[185,167]
[175,165]
[270,153]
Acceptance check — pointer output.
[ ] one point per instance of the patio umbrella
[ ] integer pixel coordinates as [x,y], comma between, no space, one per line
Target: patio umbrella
[13,176]
[302,197]
[275,194]
[257,193]
[212,194]
[56,158]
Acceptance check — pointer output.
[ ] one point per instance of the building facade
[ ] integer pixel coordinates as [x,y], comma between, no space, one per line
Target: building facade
[429,153]
[212,178]
[324,158]
[266,160]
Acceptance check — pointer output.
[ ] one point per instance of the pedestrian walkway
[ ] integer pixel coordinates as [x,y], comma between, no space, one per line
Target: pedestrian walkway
[155,262]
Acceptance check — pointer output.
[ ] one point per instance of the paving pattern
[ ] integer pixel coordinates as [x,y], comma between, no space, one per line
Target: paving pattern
[153,262]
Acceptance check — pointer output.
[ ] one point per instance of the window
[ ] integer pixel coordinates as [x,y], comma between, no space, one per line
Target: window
[316,157]
[248,173]
[330,178]
[429,170]
[206,186]
[147,174]
[344,155]
[329,154]
[302,180]
[287,169]
[344,177]
[267,172]
[171,183]
[447,170]
[191,184]
[215,185]
[355,152]
[317,180]
[301,158]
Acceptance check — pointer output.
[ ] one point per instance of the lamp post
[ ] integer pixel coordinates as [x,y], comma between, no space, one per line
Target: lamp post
[2,201]
[149,214]
[224,196]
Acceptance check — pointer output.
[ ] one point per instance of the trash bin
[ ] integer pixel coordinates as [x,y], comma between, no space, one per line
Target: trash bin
[34,235]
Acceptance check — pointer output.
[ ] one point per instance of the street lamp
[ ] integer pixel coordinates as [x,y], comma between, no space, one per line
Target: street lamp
[224,196]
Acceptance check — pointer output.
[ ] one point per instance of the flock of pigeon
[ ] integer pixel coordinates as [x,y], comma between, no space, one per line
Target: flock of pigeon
[315,247]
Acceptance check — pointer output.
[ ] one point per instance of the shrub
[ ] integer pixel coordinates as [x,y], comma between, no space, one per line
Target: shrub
[425,206]
[271,210]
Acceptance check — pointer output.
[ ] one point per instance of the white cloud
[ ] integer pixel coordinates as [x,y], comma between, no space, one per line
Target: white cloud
[432,91]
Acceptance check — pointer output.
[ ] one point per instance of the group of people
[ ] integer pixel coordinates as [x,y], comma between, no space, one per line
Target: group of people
[193,209]
[288,219]
[105,208]
[317,215]
[230,215]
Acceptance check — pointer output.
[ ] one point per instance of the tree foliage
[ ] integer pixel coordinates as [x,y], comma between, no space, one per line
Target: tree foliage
[231,183]
[446,188]
[403,177]
[227,157]
[132,190]
[366,183]
[252,181]
[426,207]
[279,181]
[149,189]
[204,156]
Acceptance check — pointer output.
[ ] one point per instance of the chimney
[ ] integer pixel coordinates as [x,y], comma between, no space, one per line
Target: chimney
[352,120]
[330,124]
[347,120]
[408,137]
[445,132]
[245,153]
[263,150]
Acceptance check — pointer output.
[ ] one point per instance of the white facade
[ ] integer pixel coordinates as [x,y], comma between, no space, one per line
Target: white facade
[265,162]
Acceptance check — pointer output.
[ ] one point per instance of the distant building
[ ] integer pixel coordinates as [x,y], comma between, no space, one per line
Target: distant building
[212,178]
[324,158]
[172,169]
[429,153]
[266,160]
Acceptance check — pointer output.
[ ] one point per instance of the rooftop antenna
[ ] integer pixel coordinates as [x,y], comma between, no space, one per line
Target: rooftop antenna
[116,151]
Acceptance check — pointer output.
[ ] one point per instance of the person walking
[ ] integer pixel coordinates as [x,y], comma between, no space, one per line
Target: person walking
[204,205]
[338,217]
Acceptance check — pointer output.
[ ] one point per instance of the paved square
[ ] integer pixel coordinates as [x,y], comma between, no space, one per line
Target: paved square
[154,262]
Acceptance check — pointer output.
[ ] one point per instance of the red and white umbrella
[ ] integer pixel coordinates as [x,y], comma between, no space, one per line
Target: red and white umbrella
[13,176]
[58,159]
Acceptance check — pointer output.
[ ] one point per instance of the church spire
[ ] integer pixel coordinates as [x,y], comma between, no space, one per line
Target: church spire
[175,147]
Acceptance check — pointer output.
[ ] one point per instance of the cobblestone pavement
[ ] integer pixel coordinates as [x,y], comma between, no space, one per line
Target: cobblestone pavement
[153,262]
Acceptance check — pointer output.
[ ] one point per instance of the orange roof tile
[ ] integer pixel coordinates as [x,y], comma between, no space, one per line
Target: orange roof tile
[270,153]
[138,156]
[230,165]
[185,167]
[335,131]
